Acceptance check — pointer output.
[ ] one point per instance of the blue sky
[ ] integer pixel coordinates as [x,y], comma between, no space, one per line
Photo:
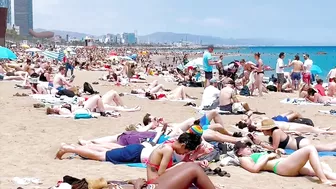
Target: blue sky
[286,19]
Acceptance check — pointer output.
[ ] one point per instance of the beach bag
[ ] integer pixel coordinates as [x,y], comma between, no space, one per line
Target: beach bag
[245,91]
[66,92]
[83,114]
[272,88]
[87,87]
[305,121]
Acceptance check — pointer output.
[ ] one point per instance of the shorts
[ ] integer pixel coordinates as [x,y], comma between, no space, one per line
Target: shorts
[306,77]
[61,88]
[134,137]
[1,77]
[227,108]
[281,78]
[280,118]
[208,75]
[331,79]
[296,76]
[127,154]
[204,122]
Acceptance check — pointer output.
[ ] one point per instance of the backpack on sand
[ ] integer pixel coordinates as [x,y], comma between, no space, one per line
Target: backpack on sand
[89,89]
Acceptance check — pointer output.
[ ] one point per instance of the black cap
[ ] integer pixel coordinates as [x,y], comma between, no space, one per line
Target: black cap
[211,47]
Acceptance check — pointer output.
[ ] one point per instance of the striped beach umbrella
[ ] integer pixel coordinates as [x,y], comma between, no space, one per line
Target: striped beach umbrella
[60,55]
[50,54]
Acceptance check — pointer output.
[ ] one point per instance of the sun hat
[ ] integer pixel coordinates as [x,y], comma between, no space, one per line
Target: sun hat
[267,124]
[196,129]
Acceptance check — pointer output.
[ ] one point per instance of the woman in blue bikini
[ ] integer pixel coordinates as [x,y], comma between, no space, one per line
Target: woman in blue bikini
[303,162]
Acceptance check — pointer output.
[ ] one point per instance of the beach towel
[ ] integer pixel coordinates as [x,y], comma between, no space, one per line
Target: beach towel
[199,110]
[137,165]
[301,101]
[162,99]
[51,99]
[330,112]
[321,154]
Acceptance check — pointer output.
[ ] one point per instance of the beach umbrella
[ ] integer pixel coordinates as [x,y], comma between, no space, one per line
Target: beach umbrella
[133,56]
[33,50]
[5,53]
[315,69]
[198,62]
[50,54]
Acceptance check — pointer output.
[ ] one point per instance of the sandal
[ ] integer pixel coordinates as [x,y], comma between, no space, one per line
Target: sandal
[38,105]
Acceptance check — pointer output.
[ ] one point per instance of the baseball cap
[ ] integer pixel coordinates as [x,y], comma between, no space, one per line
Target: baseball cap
[213,80]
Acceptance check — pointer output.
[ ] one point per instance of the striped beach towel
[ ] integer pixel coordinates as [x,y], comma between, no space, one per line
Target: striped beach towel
[61,55]
[50,54]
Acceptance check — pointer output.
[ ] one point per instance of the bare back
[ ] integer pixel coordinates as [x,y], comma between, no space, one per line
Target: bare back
[225,96]
[297,66]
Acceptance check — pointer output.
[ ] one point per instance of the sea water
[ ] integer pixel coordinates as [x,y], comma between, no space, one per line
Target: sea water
[269,55]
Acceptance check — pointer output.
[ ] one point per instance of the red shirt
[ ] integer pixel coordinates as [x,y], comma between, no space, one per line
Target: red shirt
[320,89]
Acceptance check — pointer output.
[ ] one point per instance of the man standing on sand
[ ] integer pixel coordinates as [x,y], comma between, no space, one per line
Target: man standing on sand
[308,63]
[280,71]
[332,87]
[207,65]
[297,71]
[331,75]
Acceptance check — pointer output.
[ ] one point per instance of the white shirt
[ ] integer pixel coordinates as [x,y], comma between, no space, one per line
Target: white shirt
[308,65]
[332,73]
[279,64]
[210,94]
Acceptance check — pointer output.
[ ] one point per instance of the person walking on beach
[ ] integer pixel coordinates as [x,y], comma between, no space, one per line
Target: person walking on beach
[207,65]
[297,71]
[280,66]
[308,63]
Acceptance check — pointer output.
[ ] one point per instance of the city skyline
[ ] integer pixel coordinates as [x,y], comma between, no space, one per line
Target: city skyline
[240,19]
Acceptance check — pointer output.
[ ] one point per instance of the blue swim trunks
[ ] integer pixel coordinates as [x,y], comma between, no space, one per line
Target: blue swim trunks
[61,88]
[280,118]
[204,122]
[127,154]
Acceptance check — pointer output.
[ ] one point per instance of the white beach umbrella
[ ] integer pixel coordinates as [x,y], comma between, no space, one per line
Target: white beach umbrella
[198,62]
[33,50]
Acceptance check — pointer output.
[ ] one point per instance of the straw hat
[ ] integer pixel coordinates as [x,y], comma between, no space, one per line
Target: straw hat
[267,124]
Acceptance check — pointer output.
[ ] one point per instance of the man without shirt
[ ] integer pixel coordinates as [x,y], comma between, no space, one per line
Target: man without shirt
[60,82]
[228,100]
[297,71]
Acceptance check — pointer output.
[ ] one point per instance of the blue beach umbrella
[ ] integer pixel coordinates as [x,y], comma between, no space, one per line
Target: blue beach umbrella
[134,56]
[315,69]
[7,54]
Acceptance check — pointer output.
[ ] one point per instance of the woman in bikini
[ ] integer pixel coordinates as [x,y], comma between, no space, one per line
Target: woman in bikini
[260,74]
[316,97]
[113,102]
[303,162]
[279,139]
[177,94]
[160,163]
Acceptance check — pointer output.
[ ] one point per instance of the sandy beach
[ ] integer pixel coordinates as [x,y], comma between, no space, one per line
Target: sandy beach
[29,138]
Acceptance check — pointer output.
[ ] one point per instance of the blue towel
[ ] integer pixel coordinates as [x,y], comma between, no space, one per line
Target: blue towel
[139,165]
[321,154]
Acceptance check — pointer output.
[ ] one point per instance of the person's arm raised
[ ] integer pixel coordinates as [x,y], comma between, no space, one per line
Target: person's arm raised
[167,154]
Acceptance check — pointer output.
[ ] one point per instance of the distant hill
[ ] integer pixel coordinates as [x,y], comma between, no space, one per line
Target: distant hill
[170,37]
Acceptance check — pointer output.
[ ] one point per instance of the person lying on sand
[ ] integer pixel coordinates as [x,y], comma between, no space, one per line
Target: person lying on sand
[284,122]
[153,87]
[93,104]
[316,97]
[176,94]
[303,162]
[279,139]
[112,97]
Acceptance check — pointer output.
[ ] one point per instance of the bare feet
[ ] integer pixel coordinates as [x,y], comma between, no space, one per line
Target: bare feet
[84,142]
[138,183]
[63,150]
[329,183]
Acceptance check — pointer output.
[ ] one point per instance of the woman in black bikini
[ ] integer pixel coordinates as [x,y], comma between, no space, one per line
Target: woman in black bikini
[279,139]
[260,73]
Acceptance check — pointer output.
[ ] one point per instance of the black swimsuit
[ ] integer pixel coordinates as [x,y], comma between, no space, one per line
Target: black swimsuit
[283,144]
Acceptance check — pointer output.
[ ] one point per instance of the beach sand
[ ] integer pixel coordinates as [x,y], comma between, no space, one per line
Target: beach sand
[29,139]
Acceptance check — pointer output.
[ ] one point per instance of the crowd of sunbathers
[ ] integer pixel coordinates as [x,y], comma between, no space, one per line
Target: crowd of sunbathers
[176,155]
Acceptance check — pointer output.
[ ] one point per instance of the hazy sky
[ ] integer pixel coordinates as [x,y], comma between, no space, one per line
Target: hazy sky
[286,19]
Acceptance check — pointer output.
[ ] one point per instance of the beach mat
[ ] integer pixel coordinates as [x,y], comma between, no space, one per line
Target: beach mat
[200,111]
[321,154]
[326,112]
[301,101]
[137,165]
[51,99]
[162,99]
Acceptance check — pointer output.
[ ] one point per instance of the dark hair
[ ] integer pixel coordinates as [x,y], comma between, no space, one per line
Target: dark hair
[190,140]
[311,92]
[61,68]
[270,139]
[241,125]
[241,145]
[242,61]
[319,81]
[146,120]
[147,94]
[257,54]
[307,55]
[281,54]
[197,122]
[296,57]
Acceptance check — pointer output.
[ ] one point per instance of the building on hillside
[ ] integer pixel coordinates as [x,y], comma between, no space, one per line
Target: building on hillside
[23,15]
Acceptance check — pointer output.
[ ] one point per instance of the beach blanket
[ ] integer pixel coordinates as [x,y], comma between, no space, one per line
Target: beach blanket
[138,165]
[51,99]
[162,99]
[321,154]
[301,101]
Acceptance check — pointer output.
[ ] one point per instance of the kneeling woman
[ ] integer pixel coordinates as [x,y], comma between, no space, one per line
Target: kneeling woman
[161,173]
[303,162]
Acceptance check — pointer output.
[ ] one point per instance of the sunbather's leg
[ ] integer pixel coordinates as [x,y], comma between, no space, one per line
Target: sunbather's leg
[331,147]
[291,115]
[178,93]
[153,84]
[10,78]
[121,108]
[183,176]
[308,129]
[210,135]
[156,89]
[182,127]
[95,102]
[112,96]
[102,140]
[82,151]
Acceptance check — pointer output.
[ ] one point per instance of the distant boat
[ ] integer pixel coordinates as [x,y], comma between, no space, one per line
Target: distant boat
[320,52]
